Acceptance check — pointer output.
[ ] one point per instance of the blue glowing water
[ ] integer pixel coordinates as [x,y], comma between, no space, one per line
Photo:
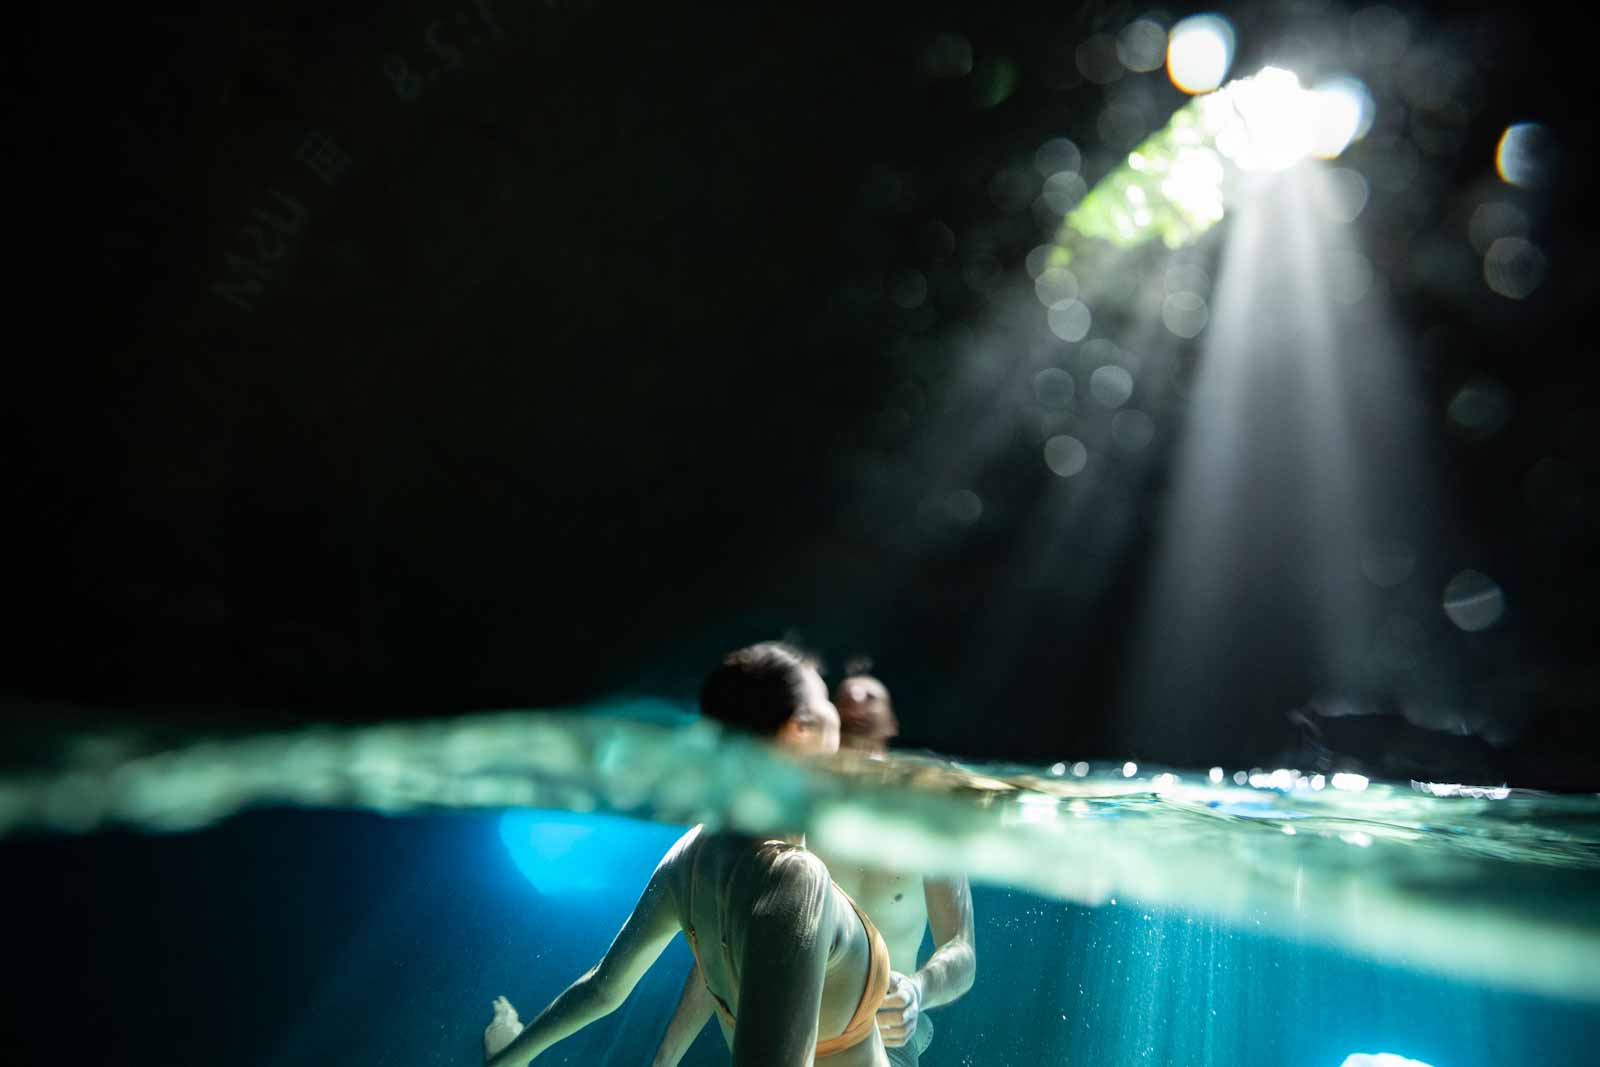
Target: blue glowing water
[292,937]
[1446,926]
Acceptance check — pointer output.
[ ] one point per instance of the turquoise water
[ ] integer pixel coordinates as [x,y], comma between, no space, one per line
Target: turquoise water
[362,895]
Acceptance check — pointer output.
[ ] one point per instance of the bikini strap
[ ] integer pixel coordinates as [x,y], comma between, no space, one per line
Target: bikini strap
[688,926]
[875,989]
[694,941]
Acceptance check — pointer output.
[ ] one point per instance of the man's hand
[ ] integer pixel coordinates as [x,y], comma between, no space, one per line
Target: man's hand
[898,1014]
[502,1029]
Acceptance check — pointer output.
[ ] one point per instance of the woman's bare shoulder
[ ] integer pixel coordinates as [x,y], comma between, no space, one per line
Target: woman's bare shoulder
[792,862]
[751,862]
[674,866]
[796,877]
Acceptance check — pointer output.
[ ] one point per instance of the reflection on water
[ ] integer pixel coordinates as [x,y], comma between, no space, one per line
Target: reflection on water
[1482,882]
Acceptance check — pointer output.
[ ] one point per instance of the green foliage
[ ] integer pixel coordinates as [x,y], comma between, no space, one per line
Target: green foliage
[1169,187]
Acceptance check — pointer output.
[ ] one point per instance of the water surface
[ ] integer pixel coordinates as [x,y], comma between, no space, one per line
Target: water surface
[1126,914]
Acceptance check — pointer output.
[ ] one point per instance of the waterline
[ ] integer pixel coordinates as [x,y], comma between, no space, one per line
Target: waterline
[1483,882]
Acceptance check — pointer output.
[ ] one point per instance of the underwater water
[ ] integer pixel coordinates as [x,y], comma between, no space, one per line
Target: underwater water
[360,896]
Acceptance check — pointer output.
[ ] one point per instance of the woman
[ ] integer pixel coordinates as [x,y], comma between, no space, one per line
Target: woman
[796,970]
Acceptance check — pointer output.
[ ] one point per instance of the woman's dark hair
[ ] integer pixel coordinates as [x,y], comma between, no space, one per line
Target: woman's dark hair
[757,688]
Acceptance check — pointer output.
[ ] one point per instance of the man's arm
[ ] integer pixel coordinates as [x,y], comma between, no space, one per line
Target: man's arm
[607,984]
[694,1008]
[950,970]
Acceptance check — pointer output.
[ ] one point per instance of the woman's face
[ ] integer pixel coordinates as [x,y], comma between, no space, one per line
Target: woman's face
[813,729]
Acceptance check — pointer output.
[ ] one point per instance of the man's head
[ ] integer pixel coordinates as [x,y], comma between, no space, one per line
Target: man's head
[773,690]
[866,718]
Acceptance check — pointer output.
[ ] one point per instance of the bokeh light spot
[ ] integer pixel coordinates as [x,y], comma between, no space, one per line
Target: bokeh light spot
[1111,386]
[1065,455]
[1064,190]
[1473,601]
[1199,53]
[1097,59]
[1480,407]
[1054,387]
[1043,257]
[1493,220]
[1340,194]
[1525,155]
[1513,267]
[1142,45]
[1185,313]
[1070,321]
[1342,112]
[1056,155]
[1056,287]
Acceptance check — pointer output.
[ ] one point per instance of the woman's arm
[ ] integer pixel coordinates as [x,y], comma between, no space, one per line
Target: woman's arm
[607,984]
[785,959]
[694,1008]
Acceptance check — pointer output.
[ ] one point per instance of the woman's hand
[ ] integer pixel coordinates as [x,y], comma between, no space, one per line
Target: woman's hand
[898,1014]
[502,1029]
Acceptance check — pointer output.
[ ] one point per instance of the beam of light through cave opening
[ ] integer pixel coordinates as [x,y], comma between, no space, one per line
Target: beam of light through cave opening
[1296,451]
[1118,282]
[1121,340]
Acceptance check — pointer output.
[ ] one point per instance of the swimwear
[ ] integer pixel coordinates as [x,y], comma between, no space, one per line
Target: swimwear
[865,1019]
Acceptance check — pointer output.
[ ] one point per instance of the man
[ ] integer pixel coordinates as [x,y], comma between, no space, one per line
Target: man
[900,905]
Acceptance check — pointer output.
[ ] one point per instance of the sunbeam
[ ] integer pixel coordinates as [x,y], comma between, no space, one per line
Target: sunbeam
[1292,460]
